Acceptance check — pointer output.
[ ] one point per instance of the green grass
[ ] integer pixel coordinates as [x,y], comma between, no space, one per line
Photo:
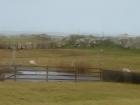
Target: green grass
[110,58]
[54,93]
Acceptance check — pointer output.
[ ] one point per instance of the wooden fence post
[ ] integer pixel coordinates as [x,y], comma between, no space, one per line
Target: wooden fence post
[75,70]
[47,74]
[100,75]
[15,73]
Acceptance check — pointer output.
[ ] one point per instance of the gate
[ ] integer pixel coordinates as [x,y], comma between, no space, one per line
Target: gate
[44,73]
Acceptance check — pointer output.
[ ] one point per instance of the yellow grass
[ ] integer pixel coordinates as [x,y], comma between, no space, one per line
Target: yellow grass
[20,93]
[110,58]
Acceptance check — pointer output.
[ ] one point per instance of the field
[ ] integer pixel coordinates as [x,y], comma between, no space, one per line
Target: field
[15,93]
[107,58]
[71,93]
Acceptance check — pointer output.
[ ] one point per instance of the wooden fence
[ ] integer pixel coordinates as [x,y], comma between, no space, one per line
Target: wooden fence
[45,73]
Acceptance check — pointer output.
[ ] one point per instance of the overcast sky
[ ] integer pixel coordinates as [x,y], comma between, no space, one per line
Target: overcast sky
[79,16]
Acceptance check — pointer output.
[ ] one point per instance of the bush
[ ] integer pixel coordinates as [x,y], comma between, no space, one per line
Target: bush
[81,66]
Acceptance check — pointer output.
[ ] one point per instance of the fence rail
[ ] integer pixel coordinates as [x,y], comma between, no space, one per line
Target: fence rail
[47,73]
[26,72]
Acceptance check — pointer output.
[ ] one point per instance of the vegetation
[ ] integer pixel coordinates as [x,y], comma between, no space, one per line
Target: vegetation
[101,57]
[78,51]
[15,93]
[74,50]
[45,41]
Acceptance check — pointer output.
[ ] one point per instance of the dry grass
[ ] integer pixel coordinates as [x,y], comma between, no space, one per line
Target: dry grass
[19,93]
[110,58]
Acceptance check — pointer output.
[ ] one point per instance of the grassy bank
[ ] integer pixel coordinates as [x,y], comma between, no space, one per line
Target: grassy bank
[14,93]
[109,58]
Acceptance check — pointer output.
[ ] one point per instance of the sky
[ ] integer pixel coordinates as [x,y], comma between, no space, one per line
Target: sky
[70,16]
